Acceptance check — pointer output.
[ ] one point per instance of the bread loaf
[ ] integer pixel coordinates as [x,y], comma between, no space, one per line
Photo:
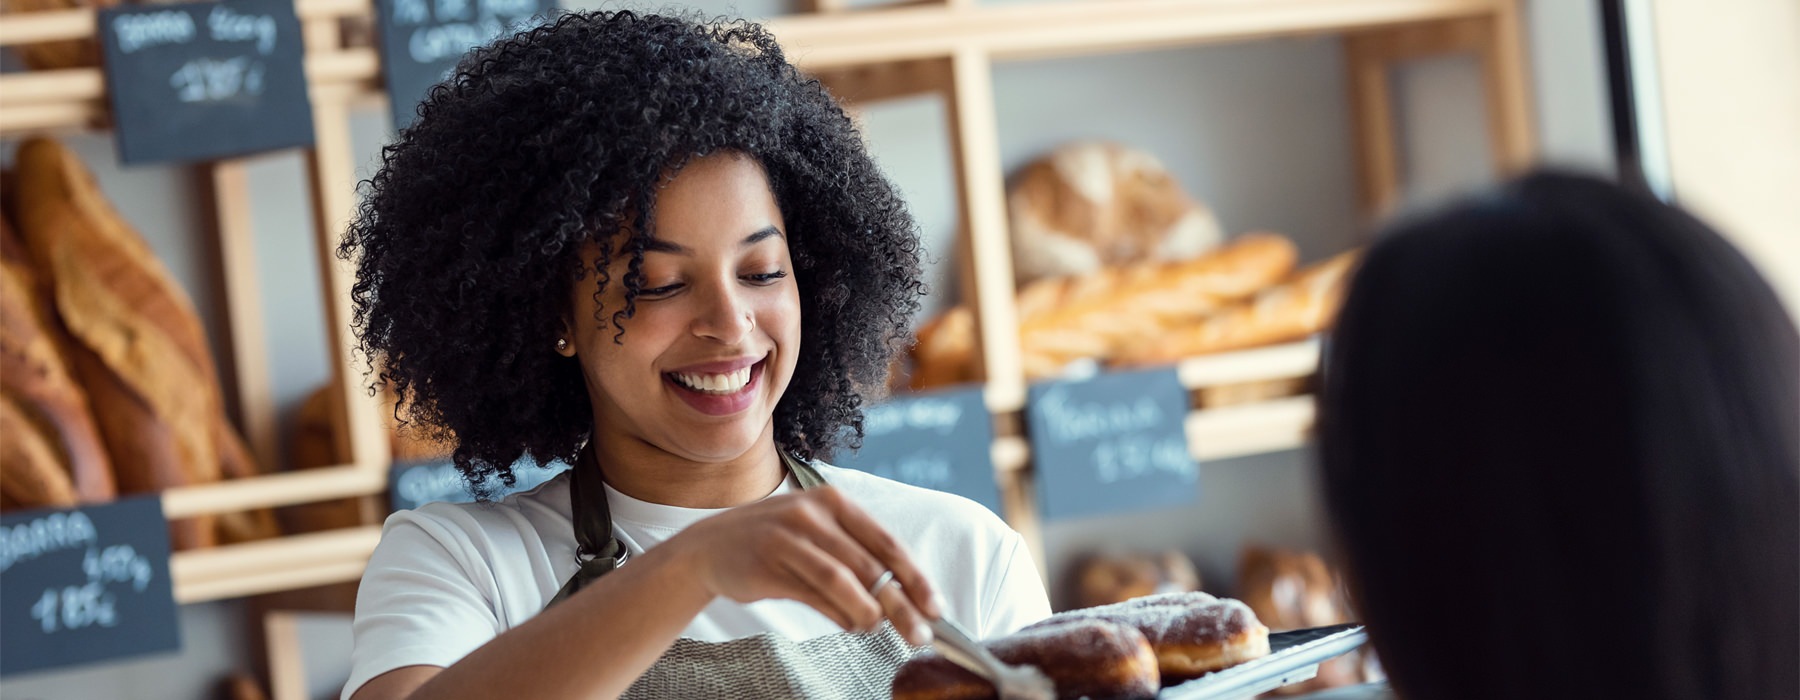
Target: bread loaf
[1303,305]
[1099,316]
[1091,205]
[138,345]
[53,454]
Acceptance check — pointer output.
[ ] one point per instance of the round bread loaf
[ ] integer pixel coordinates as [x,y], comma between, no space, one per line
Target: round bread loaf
[1085,658]
[1092,204]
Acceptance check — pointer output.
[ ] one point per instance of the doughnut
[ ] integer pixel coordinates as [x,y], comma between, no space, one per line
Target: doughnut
[1086,658]
[1192,633]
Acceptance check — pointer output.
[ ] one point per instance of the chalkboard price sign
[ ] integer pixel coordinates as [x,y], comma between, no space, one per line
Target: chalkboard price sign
[419,483]
[207,80]
[85,585]
[938,440]
[421,41]
[1112,443]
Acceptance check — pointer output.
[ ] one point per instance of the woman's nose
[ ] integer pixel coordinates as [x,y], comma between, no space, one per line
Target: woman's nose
[725,316]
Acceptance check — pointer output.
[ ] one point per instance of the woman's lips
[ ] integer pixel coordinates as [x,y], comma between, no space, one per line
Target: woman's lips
[720,404]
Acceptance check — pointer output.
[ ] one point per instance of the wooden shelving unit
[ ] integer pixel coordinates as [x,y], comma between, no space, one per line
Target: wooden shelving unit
[945,48]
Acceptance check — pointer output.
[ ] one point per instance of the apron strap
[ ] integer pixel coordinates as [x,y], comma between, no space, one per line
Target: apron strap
[595,544]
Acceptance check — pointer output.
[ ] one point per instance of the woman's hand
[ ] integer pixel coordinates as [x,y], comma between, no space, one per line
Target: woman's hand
[815,547]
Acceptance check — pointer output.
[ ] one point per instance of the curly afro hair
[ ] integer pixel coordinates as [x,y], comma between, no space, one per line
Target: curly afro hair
[467,240]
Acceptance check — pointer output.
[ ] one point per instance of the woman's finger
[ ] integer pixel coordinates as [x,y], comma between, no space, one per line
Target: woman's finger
[907,619]
[885,549]
[834,582]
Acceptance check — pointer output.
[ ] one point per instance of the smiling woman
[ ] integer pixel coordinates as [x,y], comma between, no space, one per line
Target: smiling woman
[655,250]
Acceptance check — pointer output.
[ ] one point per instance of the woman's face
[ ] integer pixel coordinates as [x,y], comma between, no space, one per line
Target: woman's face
[713,343]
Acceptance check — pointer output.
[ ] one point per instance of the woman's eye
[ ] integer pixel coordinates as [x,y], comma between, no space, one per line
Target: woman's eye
[662,291]
[765,278]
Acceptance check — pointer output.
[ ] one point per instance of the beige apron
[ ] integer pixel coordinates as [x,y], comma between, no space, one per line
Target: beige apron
[847,666]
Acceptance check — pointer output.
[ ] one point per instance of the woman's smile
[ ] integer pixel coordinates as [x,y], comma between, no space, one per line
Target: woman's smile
[720,388]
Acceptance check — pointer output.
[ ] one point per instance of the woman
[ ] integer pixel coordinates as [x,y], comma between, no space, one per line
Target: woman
[1558,442]
[655,250]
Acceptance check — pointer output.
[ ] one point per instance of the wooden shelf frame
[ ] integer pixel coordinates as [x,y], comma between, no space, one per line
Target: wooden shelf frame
[947,47]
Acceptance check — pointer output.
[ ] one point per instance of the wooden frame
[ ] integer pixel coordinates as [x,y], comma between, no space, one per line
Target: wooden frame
[945,47]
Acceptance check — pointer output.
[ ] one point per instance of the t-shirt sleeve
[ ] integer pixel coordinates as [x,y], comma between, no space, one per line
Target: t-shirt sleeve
[1016,595]
[418,603]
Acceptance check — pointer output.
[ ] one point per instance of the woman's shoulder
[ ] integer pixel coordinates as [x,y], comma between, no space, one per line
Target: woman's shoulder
[885,497]
[480,519]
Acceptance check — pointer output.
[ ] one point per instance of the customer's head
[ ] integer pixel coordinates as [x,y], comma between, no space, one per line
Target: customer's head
[1559,448]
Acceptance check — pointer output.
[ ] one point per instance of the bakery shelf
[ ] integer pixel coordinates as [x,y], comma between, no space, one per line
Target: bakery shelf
[1039,30]
[1285,361]
[286,563]
[272,490]
[1249,429]
[822,41]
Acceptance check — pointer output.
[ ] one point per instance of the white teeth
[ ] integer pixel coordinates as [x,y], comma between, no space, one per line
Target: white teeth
[728,383]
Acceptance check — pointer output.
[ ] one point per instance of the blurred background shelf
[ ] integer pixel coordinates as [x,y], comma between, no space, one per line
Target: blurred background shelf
[291,562]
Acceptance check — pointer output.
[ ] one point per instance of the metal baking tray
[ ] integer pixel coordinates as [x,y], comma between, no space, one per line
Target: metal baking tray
[1293,657]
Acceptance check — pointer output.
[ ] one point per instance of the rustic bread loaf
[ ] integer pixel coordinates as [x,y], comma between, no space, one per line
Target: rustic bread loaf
[53,454]
[138,346]
[1090,205]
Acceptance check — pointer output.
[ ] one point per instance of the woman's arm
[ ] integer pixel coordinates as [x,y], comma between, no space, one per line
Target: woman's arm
[592,645]
[815,547]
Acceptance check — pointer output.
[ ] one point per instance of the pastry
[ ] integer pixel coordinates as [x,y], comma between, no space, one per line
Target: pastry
[1110,577]
[1085,658]
[1192,633]
[1092,205]
[1296,590]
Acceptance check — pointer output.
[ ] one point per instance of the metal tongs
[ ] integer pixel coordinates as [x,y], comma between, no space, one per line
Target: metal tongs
[1012,682]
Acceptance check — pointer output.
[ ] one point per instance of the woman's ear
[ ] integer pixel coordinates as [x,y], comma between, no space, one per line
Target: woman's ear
[565,341]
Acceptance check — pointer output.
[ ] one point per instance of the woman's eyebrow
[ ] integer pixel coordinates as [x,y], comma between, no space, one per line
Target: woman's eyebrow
[766,233]
[658,245]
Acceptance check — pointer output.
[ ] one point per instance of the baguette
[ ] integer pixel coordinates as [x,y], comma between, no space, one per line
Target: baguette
[31,471]
[138,344]
[1300,307]
[50,417]
[1103,315]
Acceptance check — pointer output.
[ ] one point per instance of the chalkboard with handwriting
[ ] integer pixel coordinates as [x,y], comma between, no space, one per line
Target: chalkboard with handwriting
[421,41]
[1112,443]
[202,81]
[938,440]
[83,585]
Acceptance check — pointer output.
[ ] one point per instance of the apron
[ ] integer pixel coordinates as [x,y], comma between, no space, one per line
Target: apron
[846,665]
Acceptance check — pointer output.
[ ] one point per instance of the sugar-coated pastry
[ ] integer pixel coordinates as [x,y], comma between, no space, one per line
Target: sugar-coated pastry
[1085,658]
[1192,633]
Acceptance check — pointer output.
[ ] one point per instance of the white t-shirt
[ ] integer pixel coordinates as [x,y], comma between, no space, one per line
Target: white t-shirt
[447,578]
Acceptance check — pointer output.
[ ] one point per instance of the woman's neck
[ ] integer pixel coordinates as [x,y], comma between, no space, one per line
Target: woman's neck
[645,472]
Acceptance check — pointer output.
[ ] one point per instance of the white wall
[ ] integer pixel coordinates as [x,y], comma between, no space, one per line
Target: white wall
[1259,130]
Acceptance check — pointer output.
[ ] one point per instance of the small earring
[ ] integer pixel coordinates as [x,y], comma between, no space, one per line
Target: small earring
[562,344]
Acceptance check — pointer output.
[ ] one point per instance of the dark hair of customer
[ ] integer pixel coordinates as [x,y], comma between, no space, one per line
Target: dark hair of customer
[1560,448]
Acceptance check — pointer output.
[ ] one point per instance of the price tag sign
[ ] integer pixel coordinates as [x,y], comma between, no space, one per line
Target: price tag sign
[938,440]
[414,485]
[1113,443]
[85,585]
[202,81]
[421,41]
